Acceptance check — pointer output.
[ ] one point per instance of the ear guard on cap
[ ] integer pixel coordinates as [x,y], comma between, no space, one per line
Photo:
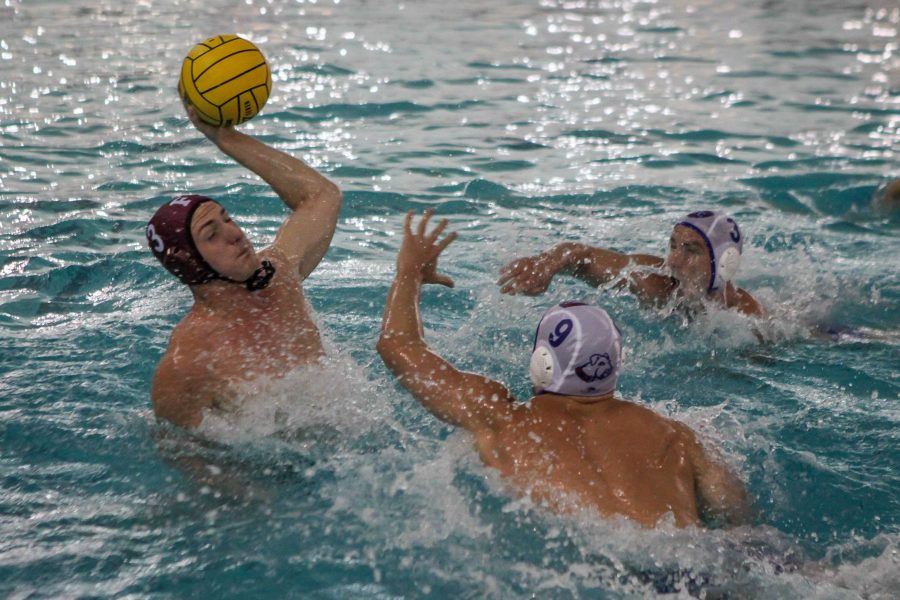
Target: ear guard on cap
[729,263]
[541,367]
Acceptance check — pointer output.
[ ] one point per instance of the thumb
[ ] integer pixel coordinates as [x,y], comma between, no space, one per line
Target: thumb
[444,280]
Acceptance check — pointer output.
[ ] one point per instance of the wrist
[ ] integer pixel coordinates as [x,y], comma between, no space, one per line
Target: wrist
[406,272]
[223,137]
[565,255]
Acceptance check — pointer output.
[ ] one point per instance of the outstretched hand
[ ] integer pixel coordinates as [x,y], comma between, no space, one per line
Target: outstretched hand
[420,250]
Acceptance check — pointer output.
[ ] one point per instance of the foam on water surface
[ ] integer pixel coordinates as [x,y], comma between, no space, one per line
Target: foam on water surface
[526,124]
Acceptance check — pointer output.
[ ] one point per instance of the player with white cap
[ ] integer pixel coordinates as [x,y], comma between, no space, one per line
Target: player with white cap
[574,443]
[577,351]
[704,254]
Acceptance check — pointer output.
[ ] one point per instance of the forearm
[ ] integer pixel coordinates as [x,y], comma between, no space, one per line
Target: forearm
[294,181]
[402,320]
[582,261]
[402,346]
[597,266]
[458,398]
[567,255]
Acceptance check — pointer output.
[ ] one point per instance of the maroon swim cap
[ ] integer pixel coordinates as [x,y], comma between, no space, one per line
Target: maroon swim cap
[170,239]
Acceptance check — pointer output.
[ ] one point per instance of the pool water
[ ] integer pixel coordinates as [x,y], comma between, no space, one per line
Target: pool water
[526,123]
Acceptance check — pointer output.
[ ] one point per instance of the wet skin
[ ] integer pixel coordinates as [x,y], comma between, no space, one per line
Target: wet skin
[614,457]
[683,276]
[233,335]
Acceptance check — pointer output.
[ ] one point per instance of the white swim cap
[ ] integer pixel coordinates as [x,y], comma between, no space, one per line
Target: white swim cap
[577,351]
[723,242]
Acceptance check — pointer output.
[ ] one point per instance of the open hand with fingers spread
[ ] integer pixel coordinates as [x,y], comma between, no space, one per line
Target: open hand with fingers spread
[420,250]
[574,413]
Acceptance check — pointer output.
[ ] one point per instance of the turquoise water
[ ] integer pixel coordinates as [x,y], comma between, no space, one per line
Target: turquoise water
[525,123]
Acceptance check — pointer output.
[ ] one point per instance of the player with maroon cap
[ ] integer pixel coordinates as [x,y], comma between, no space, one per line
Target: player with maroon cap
[250,317]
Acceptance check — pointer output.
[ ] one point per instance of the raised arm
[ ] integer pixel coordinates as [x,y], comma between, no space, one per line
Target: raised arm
[315,201]
[532,274]
[459,398]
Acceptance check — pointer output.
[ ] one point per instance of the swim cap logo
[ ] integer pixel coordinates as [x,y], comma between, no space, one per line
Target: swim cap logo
[598,367]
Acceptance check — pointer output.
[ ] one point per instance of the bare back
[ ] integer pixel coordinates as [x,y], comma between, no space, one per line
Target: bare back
[614,456]
[242,336]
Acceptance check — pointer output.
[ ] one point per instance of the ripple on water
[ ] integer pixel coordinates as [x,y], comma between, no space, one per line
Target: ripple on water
[526,125]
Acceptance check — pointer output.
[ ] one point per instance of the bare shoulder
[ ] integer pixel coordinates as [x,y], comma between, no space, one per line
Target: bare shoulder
[685,432]
[274,253]
[648,422]
[652,288]
[746,303]
[180,391]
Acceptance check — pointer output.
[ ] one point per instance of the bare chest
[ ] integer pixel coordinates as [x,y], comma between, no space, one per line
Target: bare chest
[254,339]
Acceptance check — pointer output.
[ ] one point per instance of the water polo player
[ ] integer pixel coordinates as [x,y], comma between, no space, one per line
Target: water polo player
[704,254]
[249,317]
[573,444]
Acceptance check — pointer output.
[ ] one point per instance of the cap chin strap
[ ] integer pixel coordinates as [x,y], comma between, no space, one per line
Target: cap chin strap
[258,281]
[261,277]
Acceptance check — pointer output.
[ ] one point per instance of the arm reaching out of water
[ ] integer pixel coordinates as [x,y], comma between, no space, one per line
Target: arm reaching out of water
[532,274]
[249,318]
[459,398]
[315,201]
[694,269]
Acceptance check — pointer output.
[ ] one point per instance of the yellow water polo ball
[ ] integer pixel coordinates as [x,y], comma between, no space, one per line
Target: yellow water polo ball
[226,79]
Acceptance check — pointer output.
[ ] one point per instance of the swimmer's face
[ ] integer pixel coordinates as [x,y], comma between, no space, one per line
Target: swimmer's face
[688,260]
[222,243]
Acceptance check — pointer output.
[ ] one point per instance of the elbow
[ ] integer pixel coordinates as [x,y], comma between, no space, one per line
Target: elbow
[391,355]
[382,346]
[324,196]
[331,194]
[398,352]
[387,349]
